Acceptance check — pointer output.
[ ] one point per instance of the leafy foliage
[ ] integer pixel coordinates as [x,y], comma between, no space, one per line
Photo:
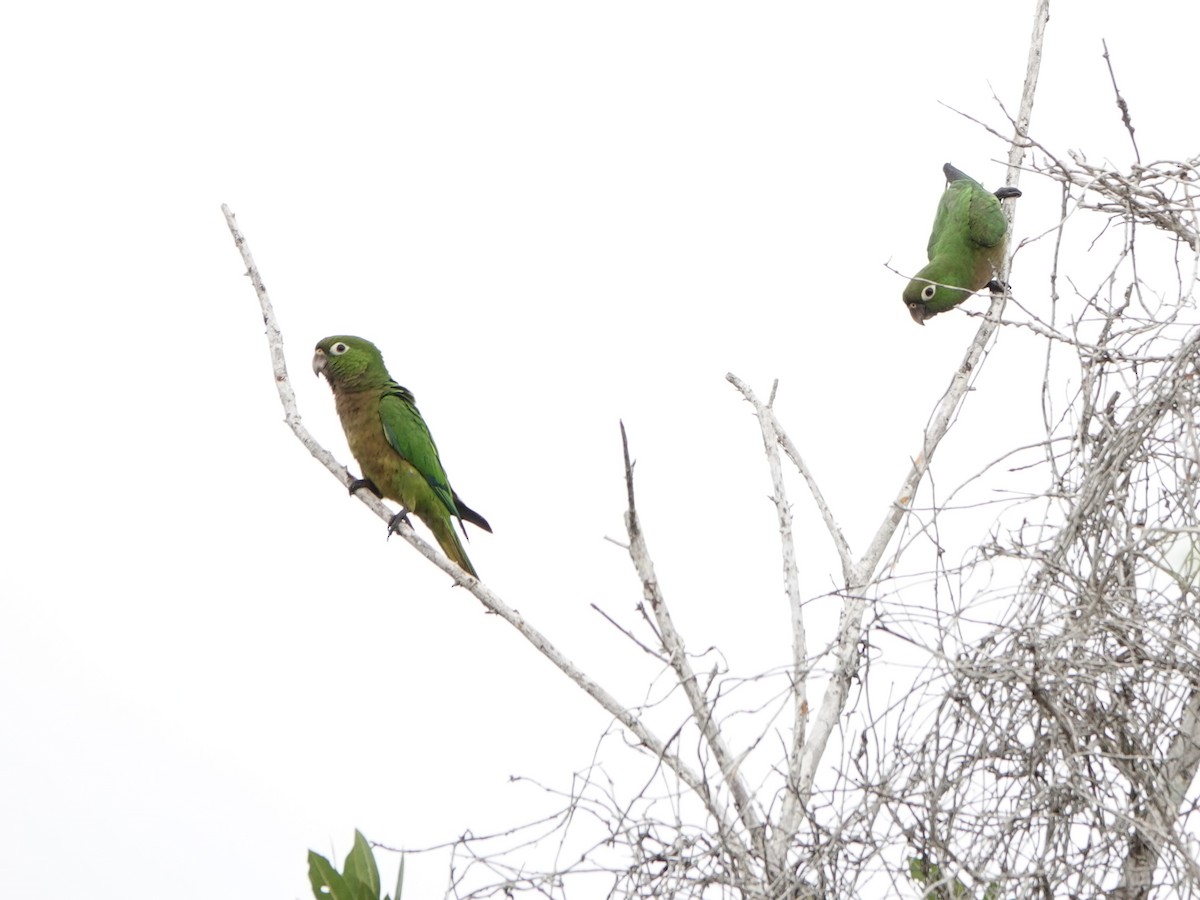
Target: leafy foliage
[359,879]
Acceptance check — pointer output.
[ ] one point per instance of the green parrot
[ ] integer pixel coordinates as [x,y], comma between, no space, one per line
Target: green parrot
[966,247]
[391,442]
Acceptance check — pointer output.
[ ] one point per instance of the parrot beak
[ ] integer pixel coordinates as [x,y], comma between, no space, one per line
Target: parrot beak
[319,360]
[916,311]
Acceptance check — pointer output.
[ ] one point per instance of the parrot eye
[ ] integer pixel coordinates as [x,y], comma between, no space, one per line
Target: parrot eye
[338,349]
[927,293]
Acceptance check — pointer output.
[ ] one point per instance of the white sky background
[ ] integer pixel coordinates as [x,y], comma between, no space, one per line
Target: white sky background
[549,216]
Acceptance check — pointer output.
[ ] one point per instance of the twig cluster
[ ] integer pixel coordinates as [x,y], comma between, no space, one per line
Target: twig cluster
[1064,740]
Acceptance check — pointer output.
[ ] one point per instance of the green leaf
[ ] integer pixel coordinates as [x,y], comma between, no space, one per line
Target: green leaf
[327,884]
[361,873]
[929,875]
[400,879]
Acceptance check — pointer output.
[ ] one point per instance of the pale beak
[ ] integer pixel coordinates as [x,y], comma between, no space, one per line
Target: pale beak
[319,360]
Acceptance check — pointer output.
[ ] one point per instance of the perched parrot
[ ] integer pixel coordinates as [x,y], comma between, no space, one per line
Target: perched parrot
[391,442]
[966,247]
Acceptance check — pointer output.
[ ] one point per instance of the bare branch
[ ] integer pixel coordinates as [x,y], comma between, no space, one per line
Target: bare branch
[488,598]
[673,644]
[767,421]
[789,818]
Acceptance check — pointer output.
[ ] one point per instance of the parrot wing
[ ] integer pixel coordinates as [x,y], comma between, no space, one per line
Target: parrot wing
[940,222]
[968,205]
[409,436]
[985,218]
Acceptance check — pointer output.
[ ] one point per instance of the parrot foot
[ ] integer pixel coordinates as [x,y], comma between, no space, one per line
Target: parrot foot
[394,522]
[1005,193]
[359,483]
[997,287]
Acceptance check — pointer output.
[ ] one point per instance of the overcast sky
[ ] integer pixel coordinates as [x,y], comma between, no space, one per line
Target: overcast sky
[549,216]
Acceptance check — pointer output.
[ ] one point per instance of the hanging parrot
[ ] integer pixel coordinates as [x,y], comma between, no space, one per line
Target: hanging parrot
[391,442]
[966,247]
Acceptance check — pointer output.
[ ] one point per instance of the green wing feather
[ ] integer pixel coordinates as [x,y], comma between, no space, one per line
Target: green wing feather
[940,221]
[966,202]
[986,222]
[409,436]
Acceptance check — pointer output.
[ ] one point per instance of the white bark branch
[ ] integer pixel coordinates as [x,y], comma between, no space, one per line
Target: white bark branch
[677,652]
[790,814]
[766,418]
[488,598]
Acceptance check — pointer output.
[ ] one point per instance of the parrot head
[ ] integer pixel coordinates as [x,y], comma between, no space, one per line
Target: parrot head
[349,362]
[926,298]
[916,295]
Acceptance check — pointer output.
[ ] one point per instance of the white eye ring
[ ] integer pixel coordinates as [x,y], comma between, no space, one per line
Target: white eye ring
[928,291]
[338,349]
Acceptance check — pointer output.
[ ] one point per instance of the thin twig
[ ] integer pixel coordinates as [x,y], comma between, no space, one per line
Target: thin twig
[1121,104]
[648,650]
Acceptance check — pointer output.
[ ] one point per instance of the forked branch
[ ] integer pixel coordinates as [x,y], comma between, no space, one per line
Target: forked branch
[677,653]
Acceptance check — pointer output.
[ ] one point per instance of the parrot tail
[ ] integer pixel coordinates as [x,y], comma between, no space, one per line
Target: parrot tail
[447,538]
[466,514]
[953,174]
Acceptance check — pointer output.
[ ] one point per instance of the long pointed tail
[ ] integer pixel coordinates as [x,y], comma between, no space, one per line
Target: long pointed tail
[466,514]
[953,174]
[447,538]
